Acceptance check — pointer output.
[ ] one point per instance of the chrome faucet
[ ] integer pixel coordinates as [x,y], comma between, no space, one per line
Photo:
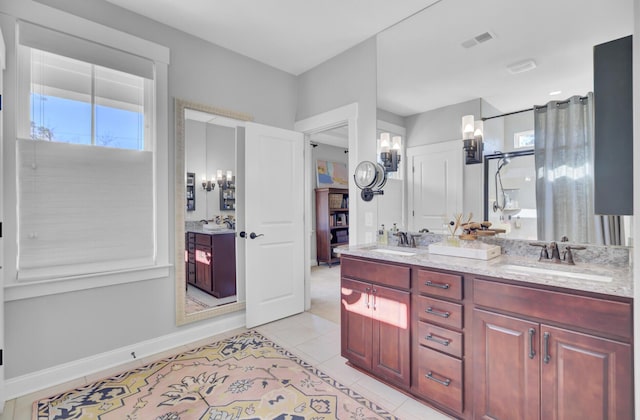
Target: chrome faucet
[402,238]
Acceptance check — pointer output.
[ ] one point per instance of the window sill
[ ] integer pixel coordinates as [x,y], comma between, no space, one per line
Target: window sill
[32,289]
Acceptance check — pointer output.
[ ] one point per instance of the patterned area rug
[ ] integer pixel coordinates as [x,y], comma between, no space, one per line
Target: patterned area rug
[243,377]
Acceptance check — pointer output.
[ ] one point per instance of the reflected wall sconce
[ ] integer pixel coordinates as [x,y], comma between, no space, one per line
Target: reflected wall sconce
[224,180]
[390,151]
[208,185]
[472,139]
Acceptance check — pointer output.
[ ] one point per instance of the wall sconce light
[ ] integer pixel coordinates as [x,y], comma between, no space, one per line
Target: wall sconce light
[208,185]
[224,181]
[472,139]
[390,151]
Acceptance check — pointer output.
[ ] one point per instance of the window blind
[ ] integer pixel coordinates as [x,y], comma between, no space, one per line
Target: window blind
[39,37]
[83,209]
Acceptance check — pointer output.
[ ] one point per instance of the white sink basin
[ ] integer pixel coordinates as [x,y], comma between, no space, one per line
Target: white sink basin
[551,272]
[394,252]
[213,226]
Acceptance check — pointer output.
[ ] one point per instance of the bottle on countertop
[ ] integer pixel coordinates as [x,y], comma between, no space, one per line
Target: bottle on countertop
[382,236]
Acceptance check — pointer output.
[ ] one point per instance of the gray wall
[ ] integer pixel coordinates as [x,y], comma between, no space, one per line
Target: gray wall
[47,331]
[347,78]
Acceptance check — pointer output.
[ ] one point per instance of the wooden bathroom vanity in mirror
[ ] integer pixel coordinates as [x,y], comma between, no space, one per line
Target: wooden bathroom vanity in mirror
[211,262]
[488,346]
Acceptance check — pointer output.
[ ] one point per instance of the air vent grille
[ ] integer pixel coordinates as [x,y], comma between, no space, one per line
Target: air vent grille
[521,66]
[478,39]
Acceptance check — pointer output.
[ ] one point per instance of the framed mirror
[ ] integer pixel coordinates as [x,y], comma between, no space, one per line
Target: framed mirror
[206,210]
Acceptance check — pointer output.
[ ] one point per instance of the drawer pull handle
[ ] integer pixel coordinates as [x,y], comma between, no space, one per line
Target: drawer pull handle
[367,301]
[432,311]
[439,286]
[547,356]
[429,375]
[438,340]
[532,352]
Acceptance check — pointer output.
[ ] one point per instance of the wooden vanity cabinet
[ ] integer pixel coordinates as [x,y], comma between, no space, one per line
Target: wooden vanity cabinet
[211,263]
[375,314]
[438,342]
[526,368]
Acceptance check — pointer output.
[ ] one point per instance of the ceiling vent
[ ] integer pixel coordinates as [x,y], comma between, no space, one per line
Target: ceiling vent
[521,66]
[478,39]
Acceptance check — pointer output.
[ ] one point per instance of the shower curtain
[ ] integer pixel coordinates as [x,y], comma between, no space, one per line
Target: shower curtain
[564,169]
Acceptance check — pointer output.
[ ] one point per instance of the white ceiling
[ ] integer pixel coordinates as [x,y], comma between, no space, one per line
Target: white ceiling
[421,64]
[291,35]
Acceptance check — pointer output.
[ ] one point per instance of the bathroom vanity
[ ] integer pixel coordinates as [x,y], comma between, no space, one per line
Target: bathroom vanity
[211,261]
[482,339]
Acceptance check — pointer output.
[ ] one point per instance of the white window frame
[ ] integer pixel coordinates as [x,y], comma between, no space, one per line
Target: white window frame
[91,31]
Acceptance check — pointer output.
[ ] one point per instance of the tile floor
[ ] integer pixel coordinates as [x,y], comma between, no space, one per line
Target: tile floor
[313,335]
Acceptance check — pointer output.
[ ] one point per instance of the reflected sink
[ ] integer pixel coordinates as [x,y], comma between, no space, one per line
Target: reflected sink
[552,272]
[213,226]
[394,252]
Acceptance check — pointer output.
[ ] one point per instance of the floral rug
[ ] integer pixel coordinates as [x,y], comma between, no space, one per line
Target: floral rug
[243,377]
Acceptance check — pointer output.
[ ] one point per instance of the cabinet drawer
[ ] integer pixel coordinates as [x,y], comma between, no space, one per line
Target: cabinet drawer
[377,272]
[440,378]
[440,284]
[438,311]
[441,339]
[601,315]
[203,239]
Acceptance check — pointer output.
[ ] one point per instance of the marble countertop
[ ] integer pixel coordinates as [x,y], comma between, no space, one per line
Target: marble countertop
[201,229]
[621,283]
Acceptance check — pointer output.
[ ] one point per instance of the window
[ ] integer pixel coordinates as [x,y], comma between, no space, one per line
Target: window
[85,157]
[76,102]
[523,139]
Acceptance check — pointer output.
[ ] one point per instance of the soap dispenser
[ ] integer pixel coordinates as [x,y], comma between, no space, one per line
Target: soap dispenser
[382,235]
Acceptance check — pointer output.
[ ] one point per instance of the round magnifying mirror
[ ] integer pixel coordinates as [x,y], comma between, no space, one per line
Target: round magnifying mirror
[366,174]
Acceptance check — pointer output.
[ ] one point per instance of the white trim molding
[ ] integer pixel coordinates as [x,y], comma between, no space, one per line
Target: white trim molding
[35,381]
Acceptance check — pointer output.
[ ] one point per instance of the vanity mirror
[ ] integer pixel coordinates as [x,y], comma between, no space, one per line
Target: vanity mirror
[205,144]
[493,61]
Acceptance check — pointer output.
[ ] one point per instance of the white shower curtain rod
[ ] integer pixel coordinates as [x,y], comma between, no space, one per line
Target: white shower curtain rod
[530,109]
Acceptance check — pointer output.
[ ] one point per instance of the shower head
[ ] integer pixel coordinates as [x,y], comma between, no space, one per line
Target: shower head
[504,161]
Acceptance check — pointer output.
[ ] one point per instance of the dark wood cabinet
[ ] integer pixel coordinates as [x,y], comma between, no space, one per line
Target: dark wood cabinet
[211,262]
[584,376]
[438,350]
[332,222]
[487,348]
[375,323]
[506,367]
[527,369]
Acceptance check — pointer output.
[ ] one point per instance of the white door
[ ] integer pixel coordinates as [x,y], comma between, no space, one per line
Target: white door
[434,185]
[274,208]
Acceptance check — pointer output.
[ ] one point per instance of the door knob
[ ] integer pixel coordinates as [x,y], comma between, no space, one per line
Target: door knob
[253,235]
[243,234]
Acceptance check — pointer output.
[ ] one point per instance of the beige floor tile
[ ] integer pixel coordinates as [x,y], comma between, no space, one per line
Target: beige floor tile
[7,413]
[378,392]
[337,368]
[415,410]
[322,348]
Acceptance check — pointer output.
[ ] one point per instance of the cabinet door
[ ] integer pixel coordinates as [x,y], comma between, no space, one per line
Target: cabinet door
[203,267]
[584,377]
[506,367]
[356,322]
[391,337]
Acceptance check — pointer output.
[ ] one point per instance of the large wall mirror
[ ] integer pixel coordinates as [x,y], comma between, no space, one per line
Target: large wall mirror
[496,59]
[209,278]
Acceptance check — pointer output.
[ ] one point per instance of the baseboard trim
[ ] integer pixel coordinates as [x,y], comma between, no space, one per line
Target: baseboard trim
[45,378]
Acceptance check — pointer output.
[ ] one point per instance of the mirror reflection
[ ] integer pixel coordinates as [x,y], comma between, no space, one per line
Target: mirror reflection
[210,162]
[206,211]
[431,74]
